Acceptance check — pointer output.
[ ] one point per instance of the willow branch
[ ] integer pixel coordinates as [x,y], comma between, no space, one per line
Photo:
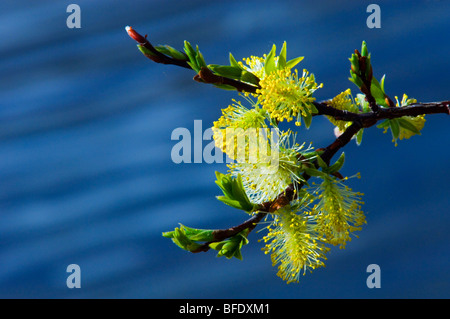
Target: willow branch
[414,109]
[359,121]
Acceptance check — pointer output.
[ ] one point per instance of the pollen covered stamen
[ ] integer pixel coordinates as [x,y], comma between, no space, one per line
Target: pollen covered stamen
[294,244]
[285,96]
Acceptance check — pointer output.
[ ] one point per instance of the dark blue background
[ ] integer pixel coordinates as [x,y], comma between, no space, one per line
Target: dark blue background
[85,170]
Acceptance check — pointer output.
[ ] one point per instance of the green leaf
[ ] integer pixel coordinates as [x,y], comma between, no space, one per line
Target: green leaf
[198,234]
[359,137]
[145,51]
[234,72]
[238,189]
[233,62]
[238,253]
[321,162]
[231,72]
[368,66]
[282,58]
[337,165]
[364,51]
[225,87]
[169,234]
[355,79]
[191,55]
[291,63]
[395,128]
[408,125]
[312,108]
[307,119]
[193,66]
[309,155]
[224,182]
[228,249]
[354,63]
[200,60]
[381,101]
[249,77]
[377,91]
[196,60]
[230,202]
[314,172]
[382,84]
[169,51]
[232,246]
[233,189]
[187,238]
[217,245]
[383,124]
[375,84]
[189,49]
[351,80]
[269,63]
[241,195]
[182,241]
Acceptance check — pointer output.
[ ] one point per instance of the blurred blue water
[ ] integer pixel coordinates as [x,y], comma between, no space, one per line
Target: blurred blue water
[85,170]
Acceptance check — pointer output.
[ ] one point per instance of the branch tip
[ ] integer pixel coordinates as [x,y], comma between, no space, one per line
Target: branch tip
[134,35]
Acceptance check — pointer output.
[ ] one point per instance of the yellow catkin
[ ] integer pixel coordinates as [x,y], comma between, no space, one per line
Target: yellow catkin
[284,95]
[338,212]
[342,101]
[235,122]
[294,245]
